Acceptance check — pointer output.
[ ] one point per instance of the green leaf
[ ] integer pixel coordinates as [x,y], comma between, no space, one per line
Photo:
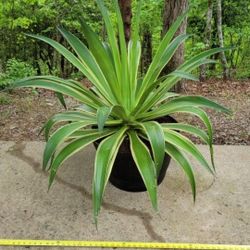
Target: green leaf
[201,101]
[70,116]
[105,157]
[81,133]
[195,131]
[59,137]
[86,108]
[176,154]
[101,54]
[155,70]
[188,129]
[184,75]
[61,99]
[192,64]
[60,86]
[104,113]
[112,41]
[155,135]
[119,112]
[72,148]
[83,67]
[123,54]
[203,55]
[167,96]
[183,143]
[134,54]
[98,99]
[90,64]
[145,165]
[161,58]
[163,47]
[170,81]
[191,110]
[182,101]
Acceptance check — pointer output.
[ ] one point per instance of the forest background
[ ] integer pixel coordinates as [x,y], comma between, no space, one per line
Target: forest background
[20,55]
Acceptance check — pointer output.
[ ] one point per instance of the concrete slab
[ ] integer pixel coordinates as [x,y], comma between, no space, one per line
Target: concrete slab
[221,213]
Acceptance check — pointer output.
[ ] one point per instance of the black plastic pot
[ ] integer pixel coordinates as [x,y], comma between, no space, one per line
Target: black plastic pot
[125,174]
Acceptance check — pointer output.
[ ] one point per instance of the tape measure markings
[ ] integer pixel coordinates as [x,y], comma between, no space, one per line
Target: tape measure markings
[112,244]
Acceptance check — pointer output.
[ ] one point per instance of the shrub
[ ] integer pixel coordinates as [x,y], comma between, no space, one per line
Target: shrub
[15,69]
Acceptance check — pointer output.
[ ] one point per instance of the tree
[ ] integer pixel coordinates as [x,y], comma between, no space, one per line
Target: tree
[126,11]
[172,9]
[150,30]
[207,36]
[221,40]
[41,17]
[236,32]
[146,49]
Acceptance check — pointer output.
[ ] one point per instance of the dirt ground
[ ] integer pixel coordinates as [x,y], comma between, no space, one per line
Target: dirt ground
[235,95]
[23,112]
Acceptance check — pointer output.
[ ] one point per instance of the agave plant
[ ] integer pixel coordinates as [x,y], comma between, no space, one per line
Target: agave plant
[124,104]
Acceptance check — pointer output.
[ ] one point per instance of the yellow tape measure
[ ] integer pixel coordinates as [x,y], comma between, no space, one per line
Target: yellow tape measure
[115,244]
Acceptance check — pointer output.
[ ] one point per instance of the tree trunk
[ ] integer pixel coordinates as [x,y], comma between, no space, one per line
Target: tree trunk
[207,38]
[36,57]
[221,40]
[126,11]
[146,58]
[172,9]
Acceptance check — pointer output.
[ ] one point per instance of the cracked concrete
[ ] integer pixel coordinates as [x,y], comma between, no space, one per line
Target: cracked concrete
[220,215]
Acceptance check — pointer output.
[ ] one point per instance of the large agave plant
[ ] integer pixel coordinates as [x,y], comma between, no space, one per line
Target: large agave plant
[122,103]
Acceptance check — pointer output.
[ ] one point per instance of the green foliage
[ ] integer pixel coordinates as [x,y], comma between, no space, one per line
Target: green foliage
[235,20]
[15,69]
[194,50]
[151,19]
[236,13]
[45,70]
[123,104]
[43,16]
